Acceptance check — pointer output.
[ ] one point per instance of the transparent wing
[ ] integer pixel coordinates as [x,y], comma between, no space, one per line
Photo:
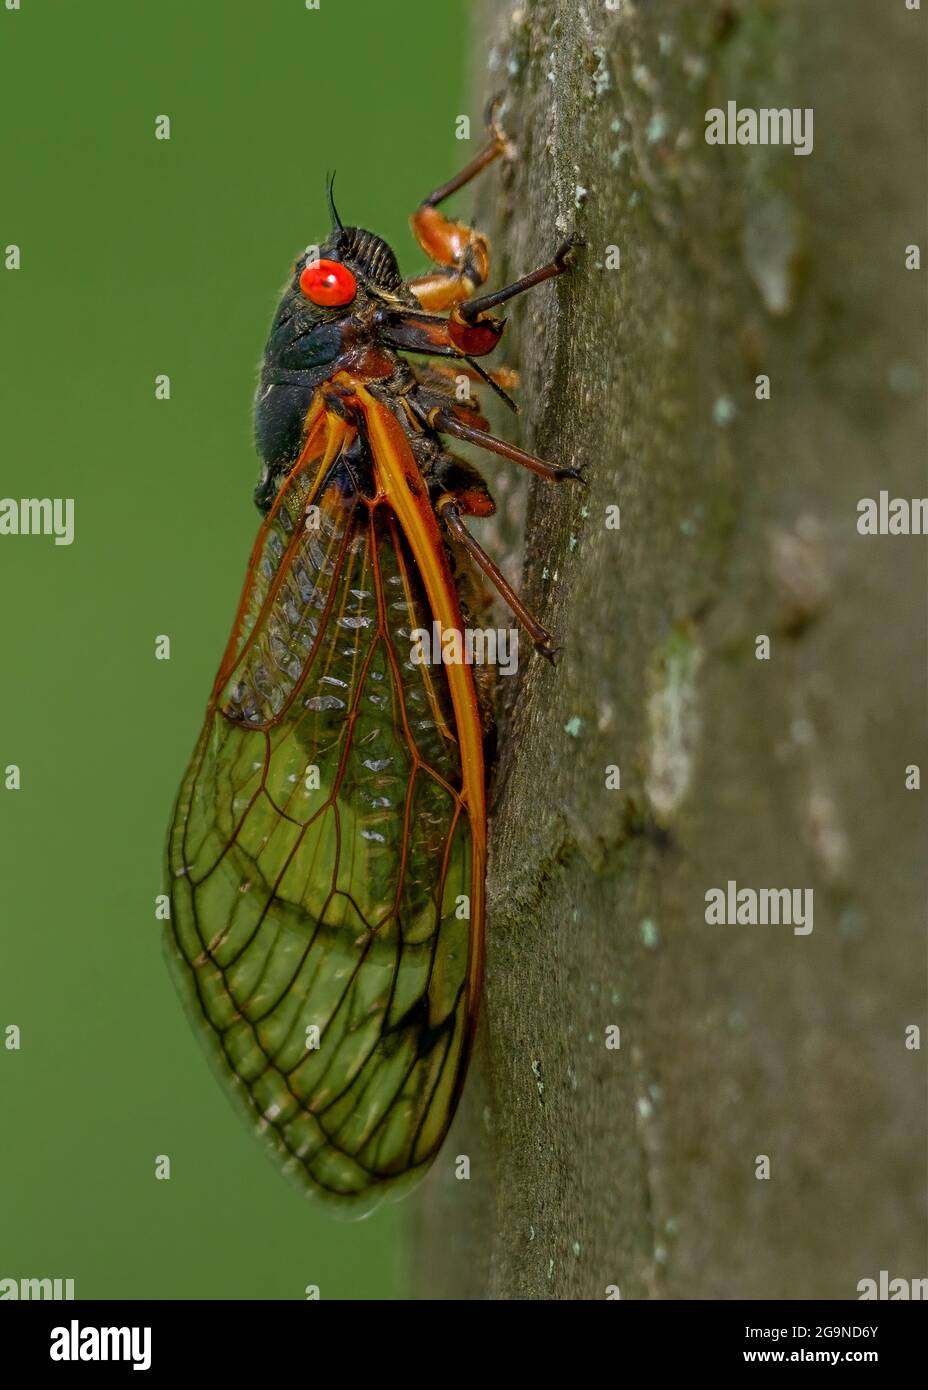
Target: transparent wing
[321,855]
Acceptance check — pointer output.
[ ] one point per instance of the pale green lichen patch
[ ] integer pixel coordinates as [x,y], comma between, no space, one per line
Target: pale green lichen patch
[657,128]
[673,724]
[650,935]
[602,77]
[771,247]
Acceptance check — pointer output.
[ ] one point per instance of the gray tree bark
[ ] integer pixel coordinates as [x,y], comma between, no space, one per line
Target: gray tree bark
[595,1167]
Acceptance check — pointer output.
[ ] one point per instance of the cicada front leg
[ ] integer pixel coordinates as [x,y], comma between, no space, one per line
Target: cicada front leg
[470,329]
[461,252]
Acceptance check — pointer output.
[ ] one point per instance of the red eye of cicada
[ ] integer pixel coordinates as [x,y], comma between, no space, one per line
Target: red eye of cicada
[328,283]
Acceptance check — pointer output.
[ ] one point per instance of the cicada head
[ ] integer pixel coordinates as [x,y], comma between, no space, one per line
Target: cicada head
[341,277]
[329,309]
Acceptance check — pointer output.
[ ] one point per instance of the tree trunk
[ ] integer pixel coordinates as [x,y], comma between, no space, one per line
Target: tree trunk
[639,1167]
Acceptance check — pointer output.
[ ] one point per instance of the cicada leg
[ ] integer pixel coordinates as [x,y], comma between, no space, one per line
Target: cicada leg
[445,421]
[472,312]
[461,252]
[469,329]
[506,378]
[449,507]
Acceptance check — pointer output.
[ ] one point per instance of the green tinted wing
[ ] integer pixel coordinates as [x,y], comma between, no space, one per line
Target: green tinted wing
[320,856]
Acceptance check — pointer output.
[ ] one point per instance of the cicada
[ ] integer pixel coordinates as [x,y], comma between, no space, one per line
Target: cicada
[327,853]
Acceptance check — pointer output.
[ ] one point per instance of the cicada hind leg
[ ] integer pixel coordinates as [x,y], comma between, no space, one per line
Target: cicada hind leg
[451,506]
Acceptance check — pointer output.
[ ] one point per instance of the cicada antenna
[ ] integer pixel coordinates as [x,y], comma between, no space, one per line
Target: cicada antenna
[337,224]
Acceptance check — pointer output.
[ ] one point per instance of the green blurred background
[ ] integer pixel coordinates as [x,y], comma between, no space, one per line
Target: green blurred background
[142,257]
